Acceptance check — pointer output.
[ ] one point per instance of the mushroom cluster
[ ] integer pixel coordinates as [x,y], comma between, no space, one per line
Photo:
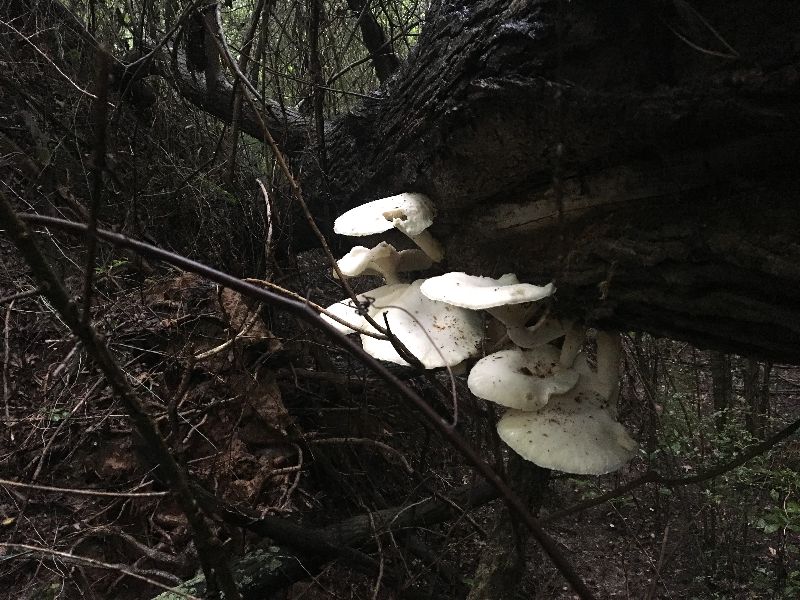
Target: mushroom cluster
[438,334]
[561,413]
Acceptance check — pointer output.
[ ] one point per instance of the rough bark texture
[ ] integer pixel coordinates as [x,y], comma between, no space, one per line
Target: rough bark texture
[679,191]
[677,205]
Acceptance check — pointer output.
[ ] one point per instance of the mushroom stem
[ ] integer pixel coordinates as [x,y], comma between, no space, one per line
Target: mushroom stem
[609,356]
[573,342]
[387,267]
[513,315]
[429,245]
[545,331]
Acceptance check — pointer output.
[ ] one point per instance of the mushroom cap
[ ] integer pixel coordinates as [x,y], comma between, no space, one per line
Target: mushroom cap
[382,260]
[584,440]
[361,259]
[411,213]
[476,293]
[454,333]
[575,432]
[520,379]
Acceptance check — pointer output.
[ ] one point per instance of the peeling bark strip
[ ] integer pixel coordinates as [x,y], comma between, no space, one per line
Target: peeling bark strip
[679,164]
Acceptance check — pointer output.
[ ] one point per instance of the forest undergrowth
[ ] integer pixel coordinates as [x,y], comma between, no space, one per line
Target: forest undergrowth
[268,416]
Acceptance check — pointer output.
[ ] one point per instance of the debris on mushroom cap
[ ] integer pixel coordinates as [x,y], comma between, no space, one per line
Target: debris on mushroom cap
[475,292]
[568,437]
[345,310]
[576,431]
[520,379]
[410,213]
[438,334]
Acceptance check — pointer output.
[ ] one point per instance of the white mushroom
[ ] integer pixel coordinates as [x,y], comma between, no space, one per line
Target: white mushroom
[519,379]
[483,293]
[576,431]
[605,379]
[506,299]
[382,260]
[436,333]
[568,436]
[410,213]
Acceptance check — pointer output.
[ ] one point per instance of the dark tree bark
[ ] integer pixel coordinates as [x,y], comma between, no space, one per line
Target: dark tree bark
[678,208]
[383,58]
[675,213]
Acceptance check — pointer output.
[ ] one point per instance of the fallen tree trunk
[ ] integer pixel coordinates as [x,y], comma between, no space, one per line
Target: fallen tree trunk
[673,136]
[675,210]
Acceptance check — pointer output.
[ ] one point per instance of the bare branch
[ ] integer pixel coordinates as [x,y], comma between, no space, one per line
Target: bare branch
[23,549]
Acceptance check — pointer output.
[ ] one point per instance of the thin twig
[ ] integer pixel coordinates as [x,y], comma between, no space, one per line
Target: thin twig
[20,295]
[248,325]
[269,223]
[6,361]
[651,594]
[453,389]
[367,441]
[49,60]
[377,539]
[66,420]
[91,562]
[80,492]
[98,166]
[314,305]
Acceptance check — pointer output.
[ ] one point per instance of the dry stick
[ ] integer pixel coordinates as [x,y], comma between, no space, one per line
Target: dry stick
[79,492]
[20,295]
[651,594]
[100,119]
[244,58]
[214,564]
[66,420]
[653,477]
[269,225]
[6,360]
[366,441]
[317,81]
[91,562]
[302,311]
